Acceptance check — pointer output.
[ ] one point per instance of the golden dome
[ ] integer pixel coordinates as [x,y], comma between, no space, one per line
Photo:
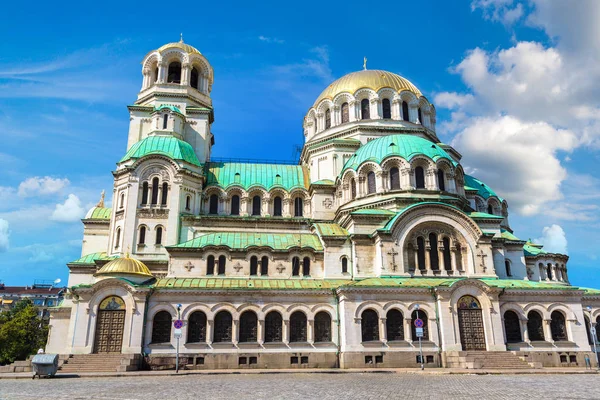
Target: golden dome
[124,266]
[180,45]
[374,79]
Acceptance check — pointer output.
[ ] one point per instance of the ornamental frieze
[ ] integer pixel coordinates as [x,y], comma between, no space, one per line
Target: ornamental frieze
[153,213]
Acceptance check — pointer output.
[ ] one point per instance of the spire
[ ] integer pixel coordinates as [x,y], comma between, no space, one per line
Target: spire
[181,37]
[101,202]
[365,63]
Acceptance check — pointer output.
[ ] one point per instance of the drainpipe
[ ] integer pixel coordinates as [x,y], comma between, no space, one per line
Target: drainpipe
[339,327]
[439,330]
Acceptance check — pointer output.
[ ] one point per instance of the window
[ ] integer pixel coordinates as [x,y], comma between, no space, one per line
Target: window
[420,178]
[327,119]
[159,232]
[197,327]
[155,191]
[394,325]
[253,265]
[298,207]
[369,326]
[221,265]
[446,253]
[558,326]
[194,78]
[248,327]
[118,238]
[433,253]
[213,204]
[144,193]
[277,207]
[344,265]
[364,109]
[322,327]
[142,238]
[512,327]
[122,201]
[421,253]
[223,327]
[174,74]
[535,327]
[210,265]
[298,328]
[264,266]
[161,327]
[420,115]
[273,327]
[352,189]
[165,121]
[386,108]
[235,205]
[371,187]
[422,316]
[256,205]
[345,113]
[164,194]
[394,178]
[405,111]
[441,179]
[306,266]
[490,209]
[296,266]
[549,271]
[507,266]
[188,201]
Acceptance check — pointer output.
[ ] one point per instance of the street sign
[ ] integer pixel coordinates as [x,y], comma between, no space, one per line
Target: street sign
[177,333]
[419,332]
[178,324]
[419,323]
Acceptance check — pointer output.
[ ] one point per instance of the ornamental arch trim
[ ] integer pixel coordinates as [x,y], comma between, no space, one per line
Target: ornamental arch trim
[567,312]
[192,308]
[537,307]
[513,307]
[369,305]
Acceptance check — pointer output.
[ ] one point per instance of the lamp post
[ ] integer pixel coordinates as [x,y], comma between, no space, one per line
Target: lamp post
[592,330]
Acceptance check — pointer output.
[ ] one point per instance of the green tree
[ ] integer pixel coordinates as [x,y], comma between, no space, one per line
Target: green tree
[22,332]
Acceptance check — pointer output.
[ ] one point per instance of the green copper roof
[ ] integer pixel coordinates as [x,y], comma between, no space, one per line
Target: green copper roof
[373,211]
[522,284]
[266,176]
[243,241]
[591,292]
[483,190]
[170,107]
[509,236]
[168,146]
[405,146]
[324,182]
[339,142]
[392,221]
[482,215]
[327,229]
[103,213]
[245,284]
[90,259]
[532,249]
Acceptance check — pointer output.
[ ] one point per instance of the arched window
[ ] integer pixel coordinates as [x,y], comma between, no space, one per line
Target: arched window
[174,74]
[306,266]
[165,121]
[298,203]
[253,265]
[322,327]
[413,332]
[223,327]
[221,265]
[512,327]
[394,325]
[549,271]
[164,194]
[144,193]
[365,113]
[298,328]
[353,189]
[446,252]
[155,191]
[421,253]
[296,266]
[277,207]
[344,265]
[122,200]
[490,209]
[155,76]
[441,179]
[264,266]
[256,205]
[433,253]
[369,324]
[159,232]
[345,113]
[188,203]
[161,327]
[420,178]
[386,108]
[213,204]
[248,327]
[371,186]
[420,115]
[235,205]
[197,327]
[117,238]
[405,111]
[194,78]
[210,265]
[327,119]
[394,178]
[142,235]
[507,266]
[535,327]
[273,327]
[558,326]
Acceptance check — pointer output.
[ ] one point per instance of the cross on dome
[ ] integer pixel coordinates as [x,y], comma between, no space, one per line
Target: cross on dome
[181,37]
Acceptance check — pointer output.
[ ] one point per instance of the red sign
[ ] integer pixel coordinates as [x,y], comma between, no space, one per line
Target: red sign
[419,323]
[178,324]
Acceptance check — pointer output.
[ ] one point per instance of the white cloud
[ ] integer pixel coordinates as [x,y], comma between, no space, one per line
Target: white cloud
[504,11]
[42,186]
[70,211]
[452,100]
[270,40]
[554,239]
[4,235]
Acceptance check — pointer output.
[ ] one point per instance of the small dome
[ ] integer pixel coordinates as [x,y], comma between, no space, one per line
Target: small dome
[179,45]
[124,266]
[372,79]
[167,146]
[96,212]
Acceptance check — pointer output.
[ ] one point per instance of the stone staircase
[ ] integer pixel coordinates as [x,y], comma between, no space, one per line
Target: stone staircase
[100,363]
[485,360]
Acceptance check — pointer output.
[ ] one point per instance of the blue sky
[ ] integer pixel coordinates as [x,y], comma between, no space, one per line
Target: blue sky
[515,84]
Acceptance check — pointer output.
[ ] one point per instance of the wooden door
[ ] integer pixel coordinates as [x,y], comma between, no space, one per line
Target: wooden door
[109,331]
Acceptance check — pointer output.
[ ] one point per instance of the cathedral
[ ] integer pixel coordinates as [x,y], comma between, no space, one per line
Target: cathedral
[375,249]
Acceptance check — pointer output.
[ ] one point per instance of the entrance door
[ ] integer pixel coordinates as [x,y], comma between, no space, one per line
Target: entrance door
[470,319]
[110,325]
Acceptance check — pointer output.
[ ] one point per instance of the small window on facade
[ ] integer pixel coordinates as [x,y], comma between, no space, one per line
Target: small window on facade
[248,327]
[296,266]
[273,327]
[253,265]
[188,201]
[549,271]
[264,266]
[235,205]
[535,327]
[222,265]
[365,112]
[433,253]
[306,266]
[322,327]
[144,193]
[164,194]
[277,207]
[161,327]
[512,327]
[194,78]
[213,204]
[446,254]
[441,179]
[386,108]
[256,205]
[122,201]
[344,265]
[327,119]
[345,113]
[298,203]
[490,209]
[369,326]
[165,121]
[421,253]
[118,238]
[174,74]
[507,266]
[210,265]
[394,325]
[298,327]
[371,186]
[223,327]
[352,189]
[420,114]
[394,179]
[405,111]
[159,232]
[142,235]
[155,191]
[197,327]
[420,178]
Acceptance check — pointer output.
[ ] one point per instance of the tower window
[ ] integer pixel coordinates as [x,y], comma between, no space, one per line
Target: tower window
[394,178]
[144,193]
[118,238]
[174,75]
[213,204]
[490,209]
[344,265]
[352,189]
[420,114]
[441,179]
[210,265]
[277,207]
[194,78]
[188,201]
[235,205]
[122,201]
[253,265]
[165,193]
[298,207]
[327,119]
[222,265]
[142,235]
[420,178]
[345,113]
[264,266]
[405,111]
[387,109]
[256,205]
[159,233]
[296,266]
[306,266]
[365,113]
[371,187]
[507,266]
[165,121]
[155,191]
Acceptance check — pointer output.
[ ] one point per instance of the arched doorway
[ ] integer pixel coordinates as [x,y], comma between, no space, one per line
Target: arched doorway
[470,321]
[110,325]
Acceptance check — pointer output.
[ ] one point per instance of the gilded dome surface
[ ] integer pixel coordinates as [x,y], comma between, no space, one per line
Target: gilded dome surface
[125,266]
[374,79]
[180,45]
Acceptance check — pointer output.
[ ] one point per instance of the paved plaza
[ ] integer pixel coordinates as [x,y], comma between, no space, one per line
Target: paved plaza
[307,386]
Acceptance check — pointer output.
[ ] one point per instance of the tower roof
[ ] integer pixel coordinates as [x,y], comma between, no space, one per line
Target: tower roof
[168,146]
[125,266]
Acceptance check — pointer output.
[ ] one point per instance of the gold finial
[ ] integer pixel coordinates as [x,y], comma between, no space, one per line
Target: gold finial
[181,38]
[101,202]
[365,63]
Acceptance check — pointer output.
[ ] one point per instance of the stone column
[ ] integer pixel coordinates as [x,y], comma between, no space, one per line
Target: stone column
[210,329]
[379,185]
[361,186]
[286,331]
[186,71]
[162,72]
[441,256]
[407,329]
[235,331]
[353,111]
[264,209]
[427,257]
[320,125]
[244,206]
[396,109]
[286,204]
[310,331]
[260,331]
[416,253]
[524,330]
[385,181]
[375,105]
[547,331]
[454,265]
[382,330]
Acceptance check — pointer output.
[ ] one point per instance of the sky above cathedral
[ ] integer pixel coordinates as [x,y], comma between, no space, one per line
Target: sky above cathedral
[515,83]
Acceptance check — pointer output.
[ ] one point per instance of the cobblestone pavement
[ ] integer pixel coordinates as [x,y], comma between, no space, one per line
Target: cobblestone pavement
[307,386]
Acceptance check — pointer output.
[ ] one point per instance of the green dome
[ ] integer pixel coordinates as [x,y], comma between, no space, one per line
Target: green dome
[404,146]
[483,190]
[167,146]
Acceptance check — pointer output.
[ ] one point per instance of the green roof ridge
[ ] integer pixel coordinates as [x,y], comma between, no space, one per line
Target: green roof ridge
[245,240]
[247,175]
[168,146]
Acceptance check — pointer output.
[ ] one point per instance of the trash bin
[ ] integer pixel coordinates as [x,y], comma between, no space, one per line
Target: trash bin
[44,365]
